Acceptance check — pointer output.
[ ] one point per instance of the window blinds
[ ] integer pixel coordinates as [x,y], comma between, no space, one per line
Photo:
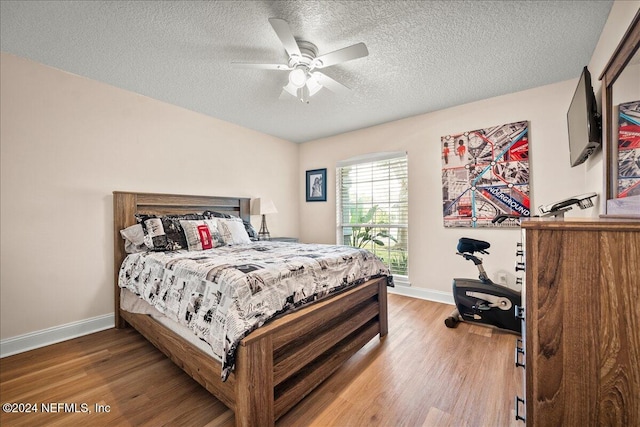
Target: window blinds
[373,206]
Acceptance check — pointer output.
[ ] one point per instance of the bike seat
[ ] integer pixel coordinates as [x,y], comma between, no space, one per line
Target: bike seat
[466,244]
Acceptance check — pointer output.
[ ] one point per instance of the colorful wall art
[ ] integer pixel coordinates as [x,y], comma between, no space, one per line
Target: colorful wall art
[629,149]
[485,173]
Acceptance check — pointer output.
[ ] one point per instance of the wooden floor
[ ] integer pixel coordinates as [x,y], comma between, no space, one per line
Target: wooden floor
[421,374]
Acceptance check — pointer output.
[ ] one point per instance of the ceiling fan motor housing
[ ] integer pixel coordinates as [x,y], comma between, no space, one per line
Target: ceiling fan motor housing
[308,52]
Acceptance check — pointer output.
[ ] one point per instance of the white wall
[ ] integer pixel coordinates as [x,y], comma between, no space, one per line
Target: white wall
[432,259]
[66,143]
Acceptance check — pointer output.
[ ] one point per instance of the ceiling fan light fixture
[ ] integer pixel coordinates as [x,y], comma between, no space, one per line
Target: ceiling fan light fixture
[291,90]
[298,77]
[313,84]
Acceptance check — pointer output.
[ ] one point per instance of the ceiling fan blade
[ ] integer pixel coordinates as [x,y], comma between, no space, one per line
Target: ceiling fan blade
[329,83]
[261,66]
[281,27]
[342,55]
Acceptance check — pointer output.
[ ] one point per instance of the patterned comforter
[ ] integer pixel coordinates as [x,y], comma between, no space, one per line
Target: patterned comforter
[223,294]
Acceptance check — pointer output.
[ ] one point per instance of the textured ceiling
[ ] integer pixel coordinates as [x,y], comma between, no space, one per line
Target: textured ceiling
[423,55]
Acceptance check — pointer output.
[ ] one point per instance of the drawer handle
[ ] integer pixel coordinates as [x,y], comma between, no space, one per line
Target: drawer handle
[518,416]
[519,351]
[519,312]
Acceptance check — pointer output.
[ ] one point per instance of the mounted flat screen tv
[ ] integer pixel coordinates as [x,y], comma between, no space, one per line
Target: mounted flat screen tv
[583,121]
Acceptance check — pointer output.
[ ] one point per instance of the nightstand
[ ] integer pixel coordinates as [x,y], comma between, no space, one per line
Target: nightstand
[285,239]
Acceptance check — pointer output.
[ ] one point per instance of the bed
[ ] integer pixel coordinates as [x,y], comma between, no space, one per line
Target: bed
[276,365]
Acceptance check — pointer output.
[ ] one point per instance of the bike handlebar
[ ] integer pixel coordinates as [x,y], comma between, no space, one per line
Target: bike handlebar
[502,217]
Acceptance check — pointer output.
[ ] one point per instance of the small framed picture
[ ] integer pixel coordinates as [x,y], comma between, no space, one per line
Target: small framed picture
[317,185]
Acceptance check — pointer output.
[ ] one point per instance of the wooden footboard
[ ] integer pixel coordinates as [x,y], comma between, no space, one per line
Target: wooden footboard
[304,348]
[278,364]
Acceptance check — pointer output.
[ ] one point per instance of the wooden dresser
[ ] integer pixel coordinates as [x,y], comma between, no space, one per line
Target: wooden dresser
[582,323]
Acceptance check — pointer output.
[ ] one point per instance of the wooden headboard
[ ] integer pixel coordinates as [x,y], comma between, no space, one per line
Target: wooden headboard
[127,204]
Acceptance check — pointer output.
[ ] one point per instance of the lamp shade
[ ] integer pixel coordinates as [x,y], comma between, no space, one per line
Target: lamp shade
[263,206]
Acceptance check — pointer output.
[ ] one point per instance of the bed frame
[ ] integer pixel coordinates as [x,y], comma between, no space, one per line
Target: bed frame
[278,364]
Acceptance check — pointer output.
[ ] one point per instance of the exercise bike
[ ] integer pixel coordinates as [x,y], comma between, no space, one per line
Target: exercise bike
[482,301]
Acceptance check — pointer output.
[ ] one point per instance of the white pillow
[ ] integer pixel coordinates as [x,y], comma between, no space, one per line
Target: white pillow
[201,234]
[133,239]
[233,231]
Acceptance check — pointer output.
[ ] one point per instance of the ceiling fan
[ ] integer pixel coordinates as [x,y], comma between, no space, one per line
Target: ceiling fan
[304,79]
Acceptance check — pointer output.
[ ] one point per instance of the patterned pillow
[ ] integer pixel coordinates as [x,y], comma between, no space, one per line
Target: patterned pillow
[164,233]
[214,214]
[134,239]
[233,231]
[253,234]
[202,234]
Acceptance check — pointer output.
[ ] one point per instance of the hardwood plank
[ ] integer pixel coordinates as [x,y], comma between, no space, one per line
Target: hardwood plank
[195,362]
[420,374]
[420,365]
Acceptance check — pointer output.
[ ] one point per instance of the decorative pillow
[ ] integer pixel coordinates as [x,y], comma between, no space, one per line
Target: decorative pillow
[134,239]
[253,234]
[233,231]
[201,235]
[164,233]
[214,214]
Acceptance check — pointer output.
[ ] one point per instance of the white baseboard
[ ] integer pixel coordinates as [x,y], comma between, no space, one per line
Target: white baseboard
[45,337]
[422,293]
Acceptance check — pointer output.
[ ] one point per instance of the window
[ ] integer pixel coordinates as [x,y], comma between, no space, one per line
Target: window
[372,193]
